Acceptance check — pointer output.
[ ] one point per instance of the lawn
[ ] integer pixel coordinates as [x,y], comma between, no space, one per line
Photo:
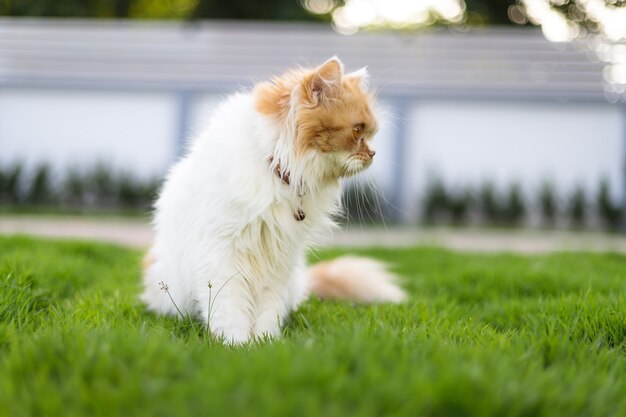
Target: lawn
[482,335]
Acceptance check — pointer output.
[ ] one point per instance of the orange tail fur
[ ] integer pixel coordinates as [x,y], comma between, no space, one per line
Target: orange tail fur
[356,279]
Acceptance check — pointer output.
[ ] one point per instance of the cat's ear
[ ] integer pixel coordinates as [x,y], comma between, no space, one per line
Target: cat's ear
[325,80]
[361,77]
[330,72]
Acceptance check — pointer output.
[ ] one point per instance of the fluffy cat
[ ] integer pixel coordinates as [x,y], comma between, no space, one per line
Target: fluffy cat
[259,186]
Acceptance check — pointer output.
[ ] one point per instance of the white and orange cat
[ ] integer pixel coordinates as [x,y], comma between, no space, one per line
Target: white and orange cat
[259,186]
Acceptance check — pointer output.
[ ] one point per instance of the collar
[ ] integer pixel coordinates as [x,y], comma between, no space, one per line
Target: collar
[285,178]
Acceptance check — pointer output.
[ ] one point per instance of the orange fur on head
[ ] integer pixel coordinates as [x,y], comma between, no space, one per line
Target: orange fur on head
[333,111]
[272,98]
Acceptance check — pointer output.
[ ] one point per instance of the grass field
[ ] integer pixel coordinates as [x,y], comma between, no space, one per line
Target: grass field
[482,335]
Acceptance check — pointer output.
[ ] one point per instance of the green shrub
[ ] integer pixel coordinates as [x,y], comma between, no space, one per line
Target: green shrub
[577,207]
[40,191]
[3,181]
[610,213]
[136,193]
[514,209]
[128,190]
[103,186]
[148,192]
[460,205]
[442,205]
[436,202]
[12,192]
[73,187]
[547,203]
[490,207]
[97,188]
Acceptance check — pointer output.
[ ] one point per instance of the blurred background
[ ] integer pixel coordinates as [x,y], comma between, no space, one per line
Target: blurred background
[496,112]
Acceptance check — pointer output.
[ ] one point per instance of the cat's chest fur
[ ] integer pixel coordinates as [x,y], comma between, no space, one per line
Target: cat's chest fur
[240,193]
[296,218]
[276,236]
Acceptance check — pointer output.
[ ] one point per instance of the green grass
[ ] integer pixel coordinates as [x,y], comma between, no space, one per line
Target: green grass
[483,335]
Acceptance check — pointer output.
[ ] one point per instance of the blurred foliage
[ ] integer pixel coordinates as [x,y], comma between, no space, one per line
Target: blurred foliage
[101,185]
[10,183]
[101,188]
[609,212]
[40,191]
[252,9]
[488,12]
[547,203]
[577,207]
[461,204]
[161,9]
[489,203]
[74,186]
[436,201]
[502,209]
[98,188]
[443,204]
[479,12]
[66,8]
[514,210]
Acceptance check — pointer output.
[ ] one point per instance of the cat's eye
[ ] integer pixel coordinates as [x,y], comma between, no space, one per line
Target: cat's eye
[357,131]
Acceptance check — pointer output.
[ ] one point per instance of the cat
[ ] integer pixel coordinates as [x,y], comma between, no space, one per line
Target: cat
[236,215]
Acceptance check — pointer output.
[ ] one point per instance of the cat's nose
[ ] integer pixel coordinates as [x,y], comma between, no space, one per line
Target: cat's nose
[372,153]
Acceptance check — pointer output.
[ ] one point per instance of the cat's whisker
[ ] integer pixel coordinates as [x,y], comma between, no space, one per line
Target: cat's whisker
[360,205]
[378,195]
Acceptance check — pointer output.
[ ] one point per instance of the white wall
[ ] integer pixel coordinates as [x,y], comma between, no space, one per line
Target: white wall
[201,108]
[132,130]
[466,143]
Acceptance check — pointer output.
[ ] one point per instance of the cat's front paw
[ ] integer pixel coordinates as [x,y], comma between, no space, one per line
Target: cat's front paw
[232,336]
[267,328]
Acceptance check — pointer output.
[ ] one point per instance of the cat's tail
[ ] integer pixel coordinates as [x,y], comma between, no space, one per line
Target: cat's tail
[357,279]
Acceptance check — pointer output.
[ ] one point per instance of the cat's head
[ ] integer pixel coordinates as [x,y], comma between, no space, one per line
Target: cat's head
[332,112]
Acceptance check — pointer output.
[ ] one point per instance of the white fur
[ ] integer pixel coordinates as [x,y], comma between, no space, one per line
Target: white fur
[363,75]
[225,218]
[355,278]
